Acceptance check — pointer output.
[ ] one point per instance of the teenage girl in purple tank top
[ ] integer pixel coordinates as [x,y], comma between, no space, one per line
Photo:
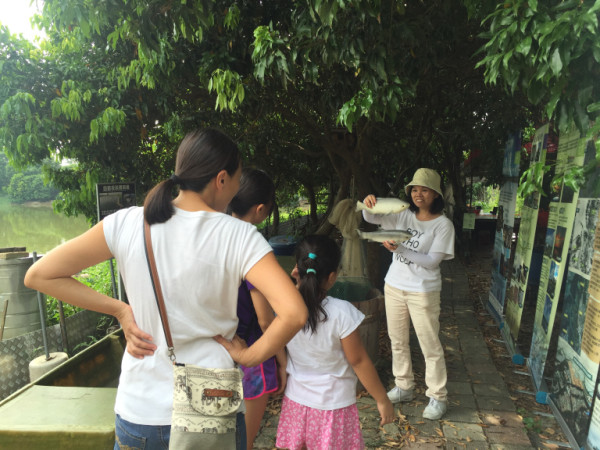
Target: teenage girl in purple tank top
[253,203]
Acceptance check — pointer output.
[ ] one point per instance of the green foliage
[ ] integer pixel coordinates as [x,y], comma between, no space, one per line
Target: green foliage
[98,278]
[531,423]
[551,52]
[229,89]
[29,187]
[344,96]
[485,196]
[532,179]
[296,217]
[574,177]
[6,172]
[53,311]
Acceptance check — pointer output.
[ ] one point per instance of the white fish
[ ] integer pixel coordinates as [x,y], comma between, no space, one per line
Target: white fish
[385,235]
[385,205]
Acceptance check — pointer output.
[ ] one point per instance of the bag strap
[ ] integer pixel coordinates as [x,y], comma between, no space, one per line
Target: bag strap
[157,290]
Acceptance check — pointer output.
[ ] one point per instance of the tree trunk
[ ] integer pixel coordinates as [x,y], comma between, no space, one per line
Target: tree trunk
[275,215]
[312,200]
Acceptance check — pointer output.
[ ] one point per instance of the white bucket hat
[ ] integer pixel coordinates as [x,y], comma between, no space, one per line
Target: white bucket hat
[425,177]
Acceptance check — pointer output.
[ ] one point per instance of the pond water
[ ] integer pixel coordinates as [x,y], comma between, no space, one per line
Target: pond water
[37,228]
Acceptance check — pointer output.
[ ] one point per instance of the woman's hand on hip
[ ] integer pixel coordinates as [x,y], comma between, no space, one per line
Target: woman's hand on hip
[235,347]
[139,343]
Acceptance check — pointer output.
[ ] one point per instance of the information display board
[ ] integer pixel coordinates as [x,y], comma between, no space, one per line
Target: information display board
[563,206]
[110,197]
[505,222]
[521,267]
[578,349]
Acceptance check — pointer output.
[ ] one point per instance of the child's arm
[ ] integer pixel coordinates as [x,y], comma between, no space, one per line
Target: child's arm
[281,357]
[265,315]
[365,371]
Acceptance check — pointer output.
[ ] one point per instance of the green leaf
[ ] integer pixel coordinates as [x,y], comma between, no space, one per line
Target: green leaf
[556,62]
[593,107]
[551,105]
[532,5]
[506,59]
[524,46]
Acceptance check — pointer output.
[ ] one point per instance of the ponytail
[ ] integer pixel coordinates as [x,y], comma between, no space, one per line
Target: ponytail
[317,257]
[158,206]
[201,155]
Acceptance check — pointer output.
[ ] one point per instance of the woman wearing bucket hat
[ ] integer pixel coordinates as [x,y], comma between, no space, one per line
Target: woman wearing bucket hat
[412,287]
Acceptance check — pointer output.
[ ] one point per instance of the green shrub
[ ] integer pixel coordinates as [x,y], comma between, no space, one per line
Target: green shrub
[98,278]
[25,188]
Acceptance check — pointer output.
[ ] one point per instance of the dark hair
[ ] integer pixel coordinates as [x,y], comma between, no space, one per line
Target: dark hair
[256,188]
[436,207]
[317,256]
[201,155]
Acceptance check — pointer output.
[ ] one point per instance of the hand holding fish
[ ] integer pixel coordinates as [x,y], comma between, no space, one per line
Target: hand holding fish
[390,245]
[382,205]
[370,201]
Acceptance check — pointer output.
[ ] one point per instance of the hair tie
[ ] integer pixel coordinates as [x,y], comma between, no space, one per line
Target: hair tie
[175,179]
[311,270]
[312,256]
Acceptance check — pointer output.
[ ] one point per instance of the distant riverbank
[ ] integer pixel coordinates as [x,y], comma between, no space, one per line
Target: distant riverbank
[35,226]
[36,204]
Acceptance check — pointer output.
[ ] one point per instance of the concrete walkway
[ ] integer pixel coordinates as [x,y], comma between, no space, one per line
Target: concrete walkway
[481,414]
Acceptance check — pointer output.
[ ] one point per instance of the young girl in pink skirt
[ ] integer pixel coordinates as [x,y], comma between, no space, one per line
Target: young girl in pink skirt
[319,407]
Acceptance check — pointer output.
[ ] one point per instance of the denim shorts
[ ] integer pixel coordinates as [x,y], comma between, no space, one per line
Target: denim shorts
[156,437]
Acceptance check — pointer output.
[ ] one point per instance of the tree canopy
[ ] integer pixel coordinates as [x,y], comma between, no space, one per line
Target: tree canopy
[550,52]
[346,97]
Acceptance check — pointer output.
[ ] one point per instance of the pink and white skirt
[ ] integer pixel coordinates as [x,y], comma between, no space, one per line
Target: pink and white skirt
[302,426]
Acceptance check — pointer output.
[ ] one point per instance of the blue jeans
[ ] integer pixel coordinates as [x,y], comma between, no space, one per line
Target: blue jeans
[156,437]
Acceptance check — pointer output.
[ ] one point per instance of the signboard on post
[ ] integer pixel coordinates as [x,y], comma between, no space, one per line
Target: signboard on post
[110,197]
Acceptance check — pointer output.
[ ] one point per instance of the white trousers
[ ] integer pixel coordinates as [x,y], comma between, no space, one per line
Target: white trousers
[423,308]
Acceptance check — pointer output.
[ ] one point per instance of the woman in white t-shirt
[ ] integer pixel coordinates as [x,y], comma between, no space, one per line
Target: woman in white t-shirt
[319,408]
[202,255]
[412,287]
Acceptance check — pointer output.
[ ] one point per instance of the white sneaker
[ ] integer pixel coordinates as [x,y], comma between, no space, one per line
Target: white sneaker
[400,395]
[435,410]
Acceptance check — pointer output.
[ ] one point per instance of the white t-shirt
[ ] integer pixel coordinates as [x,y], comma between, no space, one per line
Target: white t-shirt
[201,258]
[430,236]
[319,373]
